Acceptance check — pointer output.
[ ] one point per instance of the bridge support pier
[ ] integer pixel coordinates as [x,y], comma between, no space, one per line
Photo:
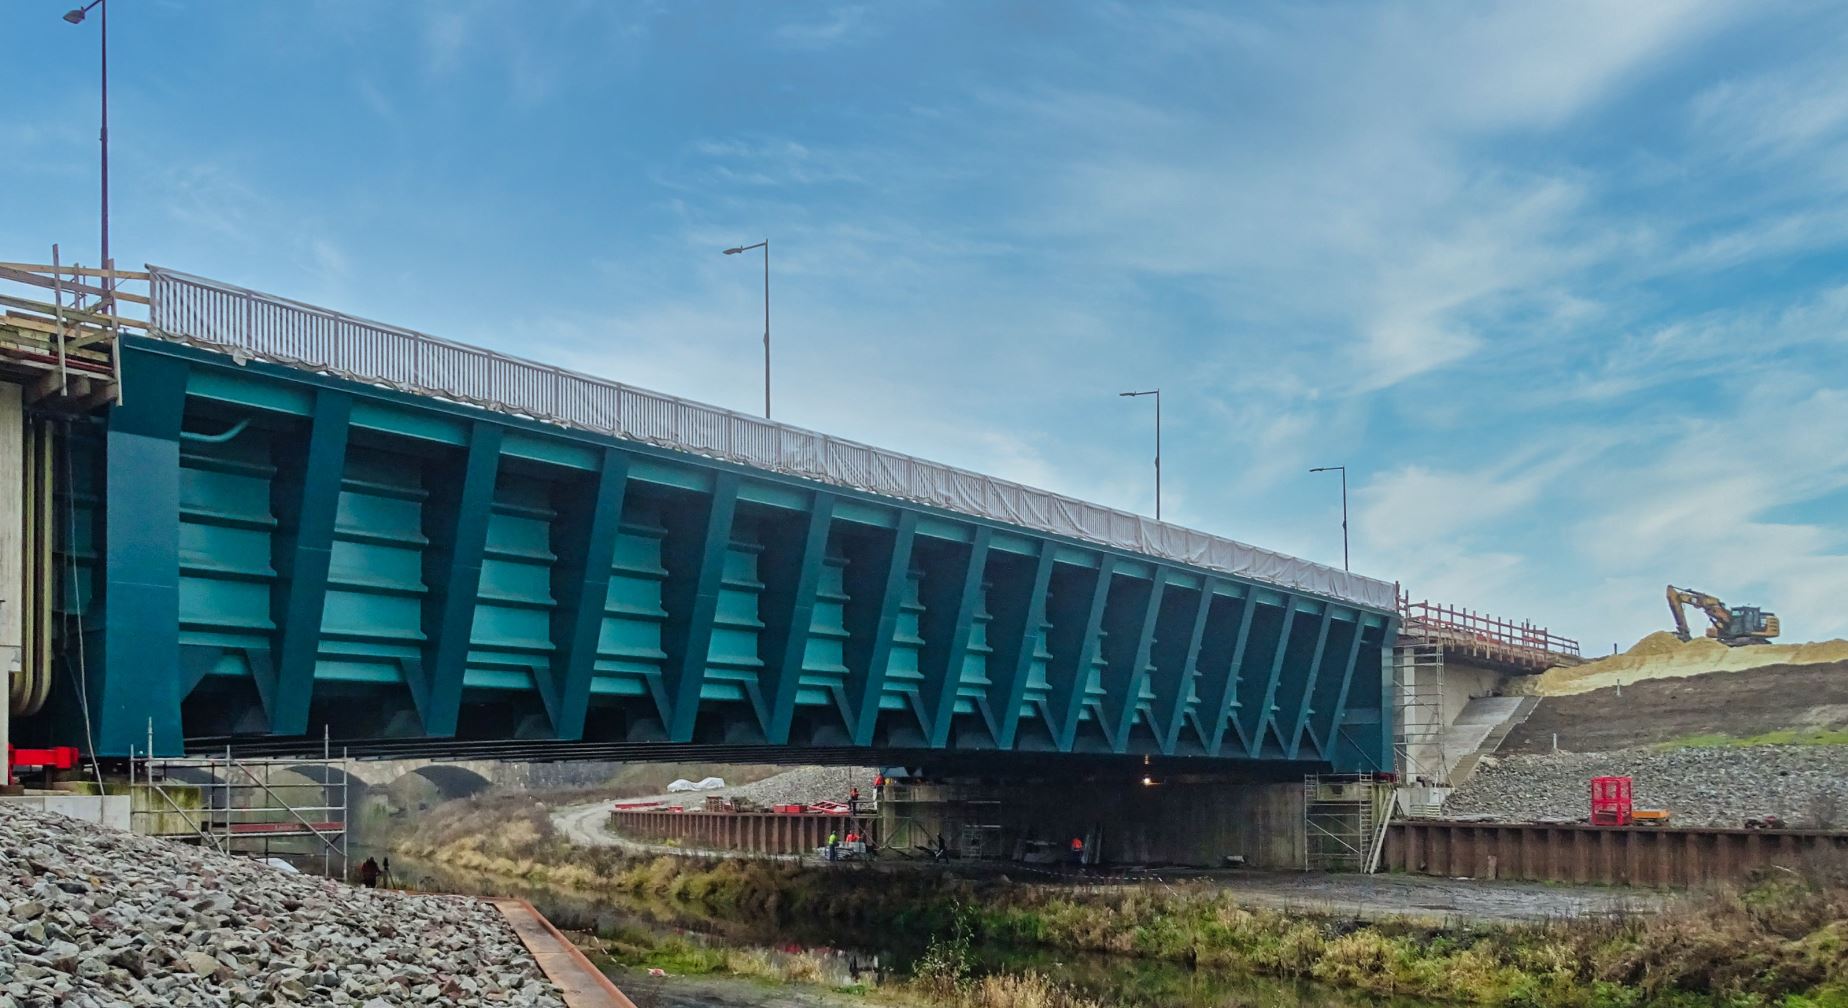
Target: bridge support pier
[1195,821]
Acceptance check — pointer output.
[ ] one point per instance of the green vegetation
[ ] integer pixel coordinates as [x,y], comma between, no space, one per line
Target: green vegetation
[1784,736]
[1781,942]
[948,978]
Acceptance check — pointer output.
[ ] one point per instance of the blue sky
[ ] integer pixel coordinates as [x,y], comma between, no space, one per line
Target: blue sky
[1564,284]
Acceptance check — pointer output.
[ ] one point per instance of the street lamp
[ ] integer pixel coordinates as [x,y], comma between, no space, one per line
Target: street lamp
[765,245]
[76,16]
[1344,535]
[1157,394]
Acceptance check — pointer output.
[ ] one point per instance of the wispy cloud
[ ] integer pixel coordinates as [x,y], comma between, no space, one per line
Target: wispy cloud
[842,24]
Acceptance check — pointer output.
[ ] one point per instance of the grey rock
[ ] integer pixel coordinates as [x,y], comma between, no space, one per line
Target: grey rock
[97,917]
[1719,786]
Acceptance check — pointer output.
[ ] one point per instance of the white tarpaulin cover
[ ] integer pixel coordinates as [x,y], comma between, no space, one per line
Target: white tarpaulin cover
[703,784]
[249,324]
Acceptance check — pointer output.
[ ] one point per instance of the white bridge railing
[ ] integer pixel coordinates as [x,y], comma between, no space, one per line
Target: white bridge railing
[249,324]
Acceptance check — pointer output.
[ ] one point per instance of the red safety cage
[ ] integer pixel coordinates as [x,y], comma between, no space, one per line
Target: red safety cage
[1610,801]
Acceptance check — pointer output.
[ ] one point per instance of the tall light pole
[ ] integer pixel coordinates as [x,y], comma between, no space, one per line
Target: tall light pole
[1344,535]
[765,245]
[1157,394]
[76,16]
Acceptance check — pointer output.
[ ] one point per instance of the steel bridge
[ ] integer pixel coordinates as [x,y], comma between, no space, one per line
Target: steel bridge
[297,523]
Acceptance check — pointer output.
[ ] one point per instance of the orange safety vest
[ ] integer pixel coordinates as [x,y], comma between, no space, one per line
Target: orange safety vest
[1077,843]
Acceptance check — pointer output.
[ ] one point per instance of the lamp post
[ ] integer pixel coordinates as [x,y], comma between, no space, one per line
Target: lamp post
[1344,514]
[1157,394]
[765,245]
[76,16]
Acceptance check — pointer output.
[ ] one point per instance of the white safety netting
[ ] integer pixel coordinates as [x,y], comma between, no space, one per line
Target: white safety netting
[252,325]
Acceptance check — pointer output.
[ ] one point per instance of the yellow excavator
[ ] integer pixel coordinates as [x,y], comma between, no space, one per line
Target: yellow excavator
[1734,626]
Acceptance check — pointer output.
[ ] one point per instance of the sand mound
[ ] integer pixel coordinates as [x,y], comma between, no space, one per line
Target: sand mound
[1661,656]
[1661,642]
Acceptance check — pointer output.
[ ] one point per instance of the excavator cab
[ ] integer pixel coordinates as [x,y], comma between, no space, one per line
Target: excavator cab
[1754,624]
[1734,626]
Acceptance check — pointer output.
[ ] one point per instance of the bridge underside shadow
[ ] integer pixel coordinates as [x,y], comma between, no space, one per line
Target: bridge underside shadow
[265,556]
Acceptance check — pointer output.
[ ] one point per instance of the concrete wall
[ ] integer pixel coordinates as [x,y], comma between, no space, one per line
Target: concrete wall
[1190,822]
[1462,682]
[109,810]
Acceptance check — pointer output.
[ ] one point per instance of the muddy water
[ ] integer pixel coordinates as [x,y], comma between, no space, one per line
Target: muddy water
[851,957]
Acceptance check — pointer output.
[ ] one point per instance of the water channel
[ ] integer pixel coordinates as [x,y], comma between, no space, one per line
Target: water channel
[849,957]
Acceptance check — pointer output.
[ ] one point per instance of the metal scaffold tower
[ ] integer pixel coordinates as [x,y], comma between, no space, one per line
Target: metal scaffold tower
[296,809]
[1418,739]
[1345,818]
[925,818]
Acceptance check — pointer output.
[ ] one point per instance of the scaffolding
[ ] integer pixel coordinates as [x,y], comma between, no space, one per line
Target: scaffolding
[63,350]
[1345,818]
[1418,737]
[932,818]
[262,808]
[1515,646]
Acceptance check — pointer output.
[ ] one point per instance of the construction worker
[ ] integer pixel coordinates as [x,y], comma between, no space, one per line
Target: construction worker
[1077,850]
[369,874]
[853,801]
[834,845]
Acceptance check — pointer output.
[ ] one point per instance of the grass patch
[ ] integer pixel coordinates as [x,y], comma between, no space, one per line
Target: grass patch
[1785,736]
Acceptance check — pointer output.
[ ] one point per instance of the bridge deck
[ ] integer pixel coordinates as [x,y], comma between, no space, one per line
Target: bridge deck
[409,544]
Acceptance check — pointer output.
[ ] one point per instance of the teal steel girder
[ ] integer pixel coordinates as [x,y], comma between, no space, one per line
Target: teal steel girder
[1073,641]
[1177,669]
[792,576]
[1298,713]
[134,690]
[1128,667]
[950,602]
[695,558]
[456,525]
[1019,607]
[589,513]
[451,573]
[1224,686]
[306,498]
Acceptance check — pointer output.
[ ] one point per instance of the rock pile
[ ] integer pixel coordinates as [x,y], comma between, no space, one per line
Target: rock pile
[95,917]
[809,784]
[1807,786]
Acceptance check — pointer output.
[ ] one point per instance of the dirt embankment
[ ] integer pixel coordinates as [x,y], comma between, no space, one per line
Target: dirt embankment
[1797,699]
[1661,656]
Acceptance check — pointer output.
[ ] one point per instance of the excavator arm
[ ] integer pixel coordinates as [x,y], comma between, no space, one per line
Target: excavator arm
[1676,598]
[1716,611]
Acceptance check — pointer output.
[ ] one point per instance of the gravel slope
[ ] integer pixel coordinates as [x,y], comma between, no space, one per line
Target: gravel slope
[1700,787]
[796,786]
[98,917]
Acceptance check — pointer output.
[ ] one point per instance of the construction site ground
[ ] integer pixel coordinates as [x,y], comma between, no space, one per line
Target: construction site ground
[1338,895]
[1714,735]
